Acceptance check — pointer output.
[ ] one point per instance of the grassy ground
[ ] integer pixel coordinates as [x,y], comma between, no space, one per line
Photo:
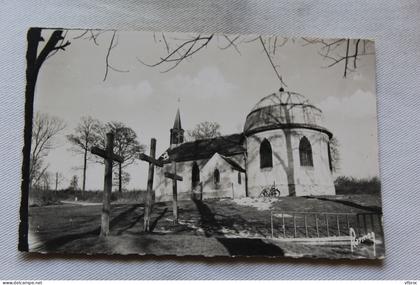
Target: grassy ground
[39,197]
[212,227]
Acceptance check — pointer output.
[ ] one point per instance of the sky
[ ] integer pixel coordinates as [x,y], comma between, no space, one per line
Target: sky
[217,84]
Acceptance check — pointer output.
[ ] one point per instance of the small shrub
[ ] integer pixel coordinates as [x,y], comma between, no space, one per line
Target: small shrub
[349,185]
[38,197]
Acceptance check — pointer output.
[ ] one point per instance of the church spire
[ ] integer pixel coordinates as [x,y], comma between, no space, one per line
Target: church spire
[177,122]
[177,133]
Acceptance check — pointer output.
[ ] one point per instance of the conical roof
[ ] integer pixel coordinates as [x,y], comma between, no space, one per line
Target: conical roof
[177,122]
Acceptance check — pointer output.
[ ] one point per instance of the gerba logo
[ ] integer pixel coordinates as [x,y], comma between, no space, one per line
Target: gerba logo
[356,241]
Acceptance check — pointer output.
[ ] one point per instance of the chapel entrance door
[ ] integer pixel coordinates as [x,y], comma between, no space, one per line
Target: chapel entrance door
[196,185]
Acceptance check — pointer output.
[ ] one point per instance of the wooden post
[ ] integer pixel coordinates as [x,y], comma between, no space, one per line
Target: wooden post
[316,224]
[149,194]
[380,225]
[109,157]
[348,223]
[106,207]
[365,224]
[148,204]
[272,229]
[233,192]
[294,225]
[338,225]
[358,224]
[174,195]
[372,223]
[284,226]
[326,223]
[306,226]
[174,177]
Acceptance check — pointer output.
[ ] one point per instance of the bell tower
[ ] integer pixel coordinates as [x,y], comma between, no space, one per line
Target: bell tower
[177,133]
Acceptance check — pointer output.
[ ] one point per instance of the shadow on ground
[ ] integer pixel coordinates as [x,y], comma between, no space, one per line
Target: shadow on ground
[235,246]
[122,221]
[374,209]
[209,228]
[250,247]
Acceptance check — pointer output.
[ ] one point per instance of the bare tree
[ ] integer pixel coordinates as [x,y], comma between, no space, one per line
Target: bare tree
[186,48]
[59,179]
[34,60]
[336,51]
[125,179]
[45,181]
[93,35]
[182,51]
[85,136]
[126,145]
[74,183]
[45,129]
[205,130]
[347,52]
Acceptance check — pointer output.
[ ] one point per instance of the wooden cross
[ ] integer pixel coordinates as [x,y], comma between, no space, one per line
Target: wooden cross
[175,178]
[149,194]
[108,155]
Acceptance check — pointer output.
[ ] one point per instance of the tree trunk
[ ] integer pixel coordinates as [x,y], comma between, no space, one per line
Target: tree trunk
[33,38]
[56,181]
[84,169]
[106,207]
[34,62]
[119,177]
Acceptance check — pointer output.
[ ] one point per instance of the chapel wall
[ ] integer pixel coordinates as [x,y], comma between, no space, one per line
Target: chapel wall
[259,178]
[163,185]
[229,187]
[316,180]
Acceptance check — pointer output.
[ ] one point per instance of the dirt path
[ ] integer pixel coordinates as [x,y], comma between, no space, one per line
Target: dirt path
[80,203]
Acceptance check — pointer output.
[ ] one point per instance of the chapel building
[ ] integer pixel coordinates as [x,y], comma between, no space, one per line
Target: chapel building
[283,144]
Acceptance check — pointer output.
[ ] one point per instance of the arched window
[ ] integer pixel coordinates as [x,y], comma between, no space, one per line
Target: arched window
[329,156]
[305,152]
[216,176]
[266,154]
[195,175]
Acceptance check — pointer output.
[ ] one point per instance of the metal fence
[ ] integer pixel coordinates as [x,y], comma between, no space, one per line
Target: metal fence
[321,224]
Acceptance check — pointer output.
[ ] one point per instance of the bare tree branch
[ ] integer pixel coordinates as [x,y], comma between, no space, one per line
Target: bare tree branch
[253,40]
[81,35]
[189,45]
[231,43]
[94,37]
[271,62]
[108,66]
[347,57]
[61,46]
[356,51]
[166,42]
[341,50]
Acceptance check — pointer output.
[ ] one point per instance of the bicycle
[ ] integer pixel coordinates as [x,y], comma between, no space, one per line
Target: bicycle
[270,191]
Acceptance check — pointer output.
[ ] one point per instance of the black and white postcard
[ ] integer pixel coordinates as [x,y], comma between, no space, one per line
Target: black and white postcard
[200,144]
